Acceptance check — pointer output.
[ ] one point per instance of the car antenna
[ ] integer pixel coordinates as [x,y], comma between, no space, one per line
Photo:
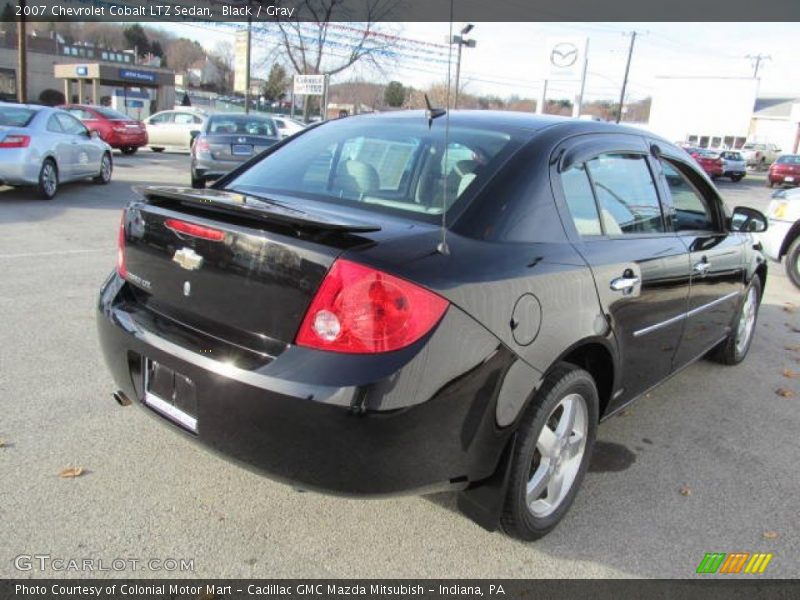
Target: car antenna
[442,247]
[432,113]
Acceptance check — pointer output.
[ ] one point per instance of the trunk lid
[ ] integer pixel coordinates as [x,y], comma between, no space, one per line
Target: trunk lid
[234,267]
[237,147]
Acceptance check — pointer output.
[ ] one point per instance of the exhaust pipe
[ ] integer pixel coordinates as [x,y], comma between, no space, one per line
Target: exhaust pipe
[121,398]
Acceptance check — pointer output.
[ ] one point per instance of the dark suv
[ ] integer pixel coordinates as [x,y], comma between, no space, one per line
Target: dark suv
[421,301]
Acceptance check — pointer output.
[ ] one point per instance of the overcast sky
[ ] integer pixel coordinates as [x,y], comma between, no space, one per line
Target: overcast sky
[509,57]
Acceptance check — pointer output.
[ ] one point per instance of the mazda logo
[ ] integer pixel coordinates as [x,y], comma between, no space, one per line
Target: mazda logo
[563,55]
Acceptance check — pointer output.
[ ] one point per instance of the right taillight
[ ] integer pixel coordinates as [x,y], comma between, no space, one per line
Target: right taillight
[122,269]
[361,310]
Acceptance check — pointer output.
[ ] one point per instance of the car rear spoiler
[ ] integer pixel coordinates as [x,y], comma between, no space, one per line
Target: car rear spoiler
[254,207]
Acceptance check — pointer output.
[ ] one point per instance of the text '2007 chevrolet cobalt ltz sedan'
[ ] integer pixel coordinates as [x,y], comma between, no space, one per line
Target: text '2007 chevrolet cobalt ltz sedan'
[421,301]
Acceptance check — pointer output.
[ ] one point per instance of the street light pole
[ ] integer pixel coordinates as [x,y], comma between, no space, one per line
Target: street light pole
[459,39]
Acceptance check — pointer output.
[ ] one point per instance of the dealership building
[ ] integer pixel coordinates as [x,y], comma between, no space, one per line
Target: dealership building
[85,73]
[723,112]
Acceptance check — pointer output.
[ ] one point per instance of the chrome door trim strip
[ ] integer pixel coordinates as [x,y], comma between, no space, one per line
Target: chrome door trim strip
[676,318]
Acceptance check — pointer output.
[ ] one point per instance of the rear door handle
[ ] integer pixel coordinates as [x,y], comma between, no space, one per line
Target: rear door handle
[622,284]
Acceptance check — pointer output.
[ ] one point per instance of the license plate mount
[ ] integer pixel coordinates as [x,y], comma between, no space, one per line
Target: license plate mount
[242,149]
[171,394]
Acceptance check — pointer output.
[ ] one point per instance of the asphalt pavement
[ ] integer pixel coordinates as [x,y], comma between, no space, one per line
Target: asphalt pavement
[706,462]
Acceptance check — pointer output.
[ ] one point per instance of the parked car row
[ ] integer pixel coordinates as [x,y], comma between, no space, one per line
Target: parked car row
[720,163]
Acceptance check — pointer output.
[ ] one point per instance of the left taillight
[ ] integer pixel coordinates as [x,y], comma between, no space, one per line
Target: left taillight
[200,145]
[15,141]
[360,310]
[122,268]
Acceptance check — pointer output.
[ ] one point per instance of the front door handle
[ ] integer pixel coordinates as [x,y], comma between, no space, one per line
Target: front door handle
[624,284]
[702,267]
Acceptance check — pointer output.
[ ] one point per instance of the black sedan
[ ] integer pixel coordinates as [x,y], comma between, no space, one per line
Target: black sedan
[226,141]
[420,301]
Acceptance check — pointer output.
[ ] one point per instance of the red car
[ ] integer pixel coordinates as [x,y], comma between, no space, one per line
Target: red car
[114,128]
[709,160]
[785,170]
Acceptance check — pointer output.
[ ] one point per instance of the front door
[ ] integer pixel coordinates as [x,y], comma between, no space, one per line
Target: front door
[716,256]
[641,269]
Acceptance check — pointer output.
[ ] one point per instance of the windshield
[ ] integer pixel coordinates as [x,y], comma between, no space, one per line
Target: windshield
[394,166]
[16,116]
[789,159]
[241,124]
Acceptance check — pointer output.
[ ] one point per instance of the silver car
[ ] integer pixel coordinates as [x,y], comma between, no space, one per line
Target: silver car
[44,147]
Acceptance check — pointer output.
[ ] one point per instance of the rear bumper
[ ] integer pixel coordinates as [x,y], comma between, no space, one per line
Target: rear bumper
[123,141]
[17,167]
[794,179]
[214,169]
[361,425]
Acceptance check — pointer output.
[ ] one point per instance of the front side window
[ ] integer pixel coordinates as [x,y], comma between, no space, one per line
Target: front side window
[691,211]
[626,194]
[388,166]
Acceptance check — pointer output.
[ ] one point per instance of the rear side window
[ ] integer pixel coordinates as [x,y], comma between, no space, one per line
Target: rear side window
[16,116]
[81,114]
[626,194]
[580,201]
[691,210]
[70,124]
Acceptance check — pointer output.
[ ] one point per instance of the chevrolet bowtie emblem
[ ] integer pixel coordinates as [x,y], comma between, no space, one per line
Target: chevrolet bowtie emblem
[188,259]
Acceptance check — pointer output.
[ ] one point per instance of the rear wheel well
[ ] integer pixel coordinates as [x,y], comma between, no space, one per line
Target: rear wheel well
[596,359]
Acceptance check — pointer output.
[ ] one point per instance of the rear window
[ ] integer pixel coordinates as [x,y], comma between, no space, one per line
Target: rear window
[241,125]
[393,166]
[16,116]
[789,159]
[109,113]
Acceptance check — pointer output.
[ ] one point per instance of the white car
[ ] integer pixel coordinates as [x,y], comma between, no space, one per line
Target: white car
[287,126]
[173,128]
[782,237]
[760,155]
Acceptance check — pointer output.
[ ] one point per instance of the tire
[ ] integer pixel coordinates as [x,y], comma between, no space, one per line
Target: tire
[47,187]
[769,183]
[793,262]
[129,150]
[733,349]
[198,182]
[567,387]
[106,169]
[736,178]
[156,149]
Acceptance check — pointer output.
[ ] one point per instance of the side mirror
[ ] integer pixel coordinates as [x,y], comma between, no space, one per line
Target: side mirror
[748,219]
[92,134]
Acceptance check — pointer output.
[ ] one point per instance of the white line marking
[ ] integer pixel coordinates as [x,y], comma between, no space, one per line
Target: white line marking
[56,253]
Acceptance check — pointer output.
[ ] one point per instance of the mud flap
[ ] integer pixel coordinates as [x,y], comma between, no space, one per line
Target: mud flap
[484,502]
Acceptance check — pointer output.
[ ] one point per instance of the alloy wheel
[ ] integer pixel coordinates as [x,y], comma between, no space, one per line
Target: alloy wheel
[558,455]
[105,168]
[49,181]
[747,320]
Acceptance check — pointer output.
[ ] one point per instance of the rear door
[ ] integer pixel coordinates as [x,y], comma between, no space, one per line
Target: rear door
[641,268]
[716,255]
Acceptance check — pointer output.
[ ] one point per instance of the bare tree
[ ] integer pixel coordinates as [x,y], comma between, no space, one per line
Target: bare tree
[223,57]
[308,45]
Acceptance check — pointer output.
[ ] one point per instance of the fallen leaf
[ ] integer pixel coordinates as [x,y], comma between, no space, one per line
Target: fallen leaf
[793,348]
[789,307]
[71,472]
[784,393]
[771,535]
[789,373]
[2,443]
[625,413]
[685,490]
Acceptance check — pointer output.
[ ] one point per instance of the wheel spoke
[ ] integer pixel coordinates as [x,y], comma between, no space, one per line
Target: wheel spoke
[567,421]
[573,446]
[537,485]
[547,442]
[554,488]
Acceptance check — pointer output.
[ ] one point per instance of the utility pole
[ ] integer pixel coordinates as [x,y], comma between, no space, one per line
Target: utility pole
[625,79]
[757,59]
[247,66]
[22,57]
